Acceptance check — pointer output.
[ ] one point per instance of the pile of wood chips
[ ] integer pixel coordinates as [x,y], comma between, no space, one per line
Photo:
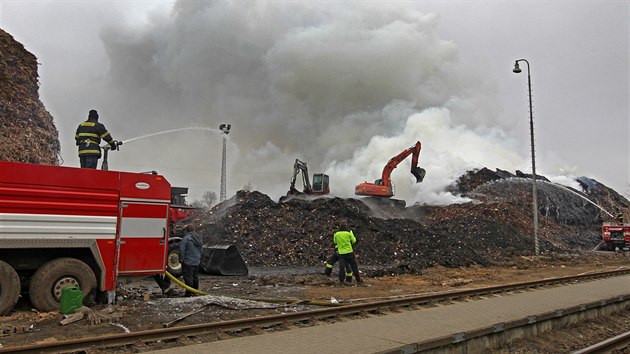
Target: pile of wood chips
[492,229]
[27,130]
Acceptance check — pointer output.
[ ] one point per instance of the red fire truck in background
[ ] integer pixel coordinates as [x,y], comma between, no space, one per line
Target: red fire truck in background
[616,236]
[66,226]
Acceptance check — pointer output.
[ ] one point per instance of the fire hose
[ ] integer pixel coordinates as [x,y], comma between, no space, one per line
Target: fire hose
[183,285]
[288,301]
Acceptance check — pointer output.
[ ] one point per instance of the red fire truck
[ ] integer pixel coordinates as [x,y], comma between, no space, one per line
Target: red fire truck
[65,226]
[616,235]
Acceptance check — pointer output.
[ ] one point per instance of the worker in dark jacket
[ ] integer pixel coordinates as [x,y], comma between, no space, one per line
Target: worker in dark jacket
[190,255]
[88,139]
[343,240]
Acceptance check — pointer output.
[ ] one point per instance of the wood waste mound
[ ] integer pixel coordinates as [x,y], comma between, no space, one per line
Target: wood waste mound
[27,130]
[491,229]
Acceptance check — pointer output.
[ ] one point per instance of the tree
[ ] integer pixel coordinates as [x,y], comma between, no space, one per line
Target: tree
[198,204]
[208,199]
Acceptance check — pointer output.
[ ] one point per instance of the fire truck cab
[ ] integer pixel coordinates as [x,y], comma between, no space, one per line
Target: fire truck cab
[616,236]
[67,226]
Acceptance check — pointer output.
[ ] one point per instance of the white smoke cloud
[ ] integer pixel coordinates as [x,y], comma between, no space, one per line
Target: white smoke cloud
[343,87]
[317,80]
[449,150]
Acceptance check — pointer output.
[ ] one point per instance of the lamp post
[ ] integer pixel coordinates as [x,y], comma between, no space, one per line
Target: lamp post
[225,129]
[517,70]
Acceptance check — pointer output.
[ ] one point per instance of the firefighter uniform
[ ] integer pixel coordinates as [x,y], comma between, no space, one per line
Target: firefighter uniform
[88,139]
[330,263]
[348,267]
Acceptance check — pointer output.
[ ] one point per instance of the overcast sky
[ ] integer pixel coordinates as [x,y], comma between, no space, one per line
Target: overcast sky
[341,85]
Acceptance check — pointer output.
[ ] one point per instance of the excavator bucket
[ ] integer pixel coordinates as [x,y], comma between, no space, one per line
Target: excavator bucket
[418,173]
[222,259]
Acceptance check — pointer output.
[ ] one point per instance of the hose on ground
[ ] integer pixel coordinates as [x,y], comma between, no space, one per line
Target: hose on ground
[183,285]
[274,301]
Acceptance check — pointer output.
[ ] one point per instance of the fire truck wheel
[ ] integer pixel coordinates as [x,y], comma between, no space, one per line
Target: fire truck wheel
[173,264]
[9,288]
[48,281]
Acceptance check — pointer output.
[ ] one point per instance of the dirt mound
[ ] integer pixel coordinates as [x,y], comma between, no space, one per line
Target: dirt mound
[493,228]
[605,197]
[26,128]
[556,201]
[570,219]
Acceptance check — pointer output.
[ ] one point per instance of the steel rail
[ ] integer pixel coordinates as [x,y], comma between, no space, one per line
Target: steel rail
[606,346]
[153,335]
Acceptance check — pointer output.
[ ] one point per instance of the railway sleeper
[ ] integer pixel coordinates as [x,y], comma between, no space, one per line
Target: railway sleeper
[9,330]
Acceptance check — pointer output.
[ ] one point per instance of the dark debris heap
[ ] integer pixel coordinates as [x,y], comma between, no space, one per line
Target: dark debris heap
[490,230]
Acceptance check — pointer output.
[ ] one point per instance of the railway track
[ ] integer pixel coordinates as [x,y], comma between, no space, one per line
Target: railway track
[281,321]
[620,342]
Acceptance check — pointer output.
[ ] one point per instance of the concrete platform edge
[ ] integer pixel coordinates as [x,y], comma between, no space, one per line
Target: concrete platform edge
[476,341]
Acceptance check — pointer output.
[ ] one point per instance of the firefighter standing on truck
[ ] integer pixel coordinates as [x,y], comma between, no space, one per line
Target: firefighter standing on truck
[88,139]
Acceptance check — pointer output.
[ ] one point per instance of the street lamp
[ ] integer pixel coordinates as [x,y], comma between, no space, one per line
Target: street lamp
[225,129]
[517,70]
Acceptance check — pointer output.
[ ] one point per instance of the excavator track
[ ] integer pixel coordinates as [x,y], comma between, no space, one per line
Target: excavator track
[381,202]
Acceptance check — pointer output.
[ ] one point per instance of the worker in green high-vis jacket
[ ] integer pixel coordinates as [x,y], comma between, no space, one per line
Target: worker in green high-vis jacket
[343,240]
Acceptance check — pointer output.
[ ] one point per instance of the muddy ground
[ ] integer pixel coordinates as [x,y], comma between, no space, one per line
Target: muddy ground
[143,306]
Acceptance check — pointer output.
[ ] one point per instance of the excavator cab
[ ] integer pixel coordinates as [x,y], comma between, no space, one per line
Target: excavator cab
[320,183]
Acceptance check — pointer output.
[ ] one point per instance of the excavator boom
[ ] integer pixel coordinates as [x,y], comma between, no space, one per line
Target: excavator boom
[300,166]
[383,187]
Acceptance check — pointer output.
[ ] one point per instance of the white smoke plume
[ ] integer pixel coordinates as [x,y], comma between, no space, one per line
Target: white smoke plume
[343,87]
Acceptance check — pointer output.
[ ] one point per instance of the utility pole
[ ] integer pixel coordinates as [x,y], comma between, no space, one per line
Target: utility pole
[225,129]
[517,70]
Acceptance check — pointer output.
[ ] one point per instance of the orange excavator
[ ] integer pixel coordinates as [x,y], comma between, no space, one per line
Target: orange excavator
[383,187]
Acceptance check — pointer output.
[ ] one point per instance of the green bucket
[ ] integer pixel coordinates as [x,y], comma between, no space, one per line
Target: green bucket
[71,299]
